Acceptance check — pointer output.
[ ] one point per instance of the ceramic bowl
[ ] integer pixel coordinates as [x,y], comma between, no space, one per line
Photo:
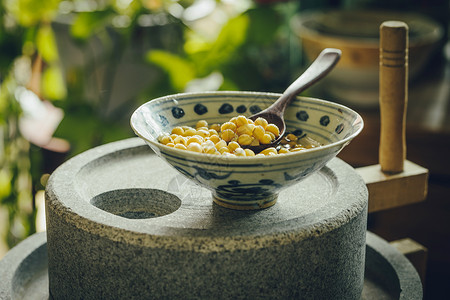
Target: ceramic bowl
[246,182]
[354,81]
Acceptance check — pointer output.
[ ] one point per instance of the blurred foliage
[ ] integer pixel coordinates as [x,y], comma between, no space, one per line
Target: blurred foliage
[250,52]
[28,13]
[16,201]
[89,23]
[94,52]
[15,191]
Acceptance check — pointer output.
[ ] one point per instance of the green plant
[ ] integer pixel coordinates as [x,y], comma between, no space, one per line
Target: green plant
[247,50]
[16,201]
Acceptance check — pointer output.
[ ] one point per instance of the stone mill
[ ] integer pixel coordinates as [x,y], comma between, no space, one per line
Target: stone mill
[122,224]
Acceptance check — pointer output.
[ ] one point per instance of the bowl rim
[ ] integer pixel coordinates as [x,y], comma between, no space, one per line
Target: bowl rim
[341,143]
[299,27]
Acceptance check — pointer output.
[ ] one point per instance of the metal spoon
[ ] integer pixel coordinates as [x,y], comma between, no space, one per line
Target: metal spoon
[274,114]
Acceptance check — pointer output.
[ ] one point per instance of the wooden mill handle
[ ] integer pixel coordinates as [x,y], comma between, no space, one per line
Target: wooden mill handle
[393,95]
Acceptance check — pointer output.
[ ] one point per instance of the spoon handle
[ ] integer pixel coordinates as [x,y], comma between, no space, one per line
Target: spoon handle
[326,60]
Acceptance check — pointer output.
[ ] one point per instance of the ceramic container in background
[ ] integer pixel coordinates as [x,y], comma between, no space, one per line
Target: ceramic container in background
[356,32]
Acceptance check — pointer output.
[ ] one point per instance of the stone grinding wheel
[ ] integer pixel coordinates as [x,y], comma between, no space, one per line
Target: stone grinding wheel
[122,224]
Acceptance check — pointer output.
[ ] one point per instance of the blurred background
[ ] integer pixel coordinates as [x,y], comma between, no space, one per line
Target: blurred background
[73,71]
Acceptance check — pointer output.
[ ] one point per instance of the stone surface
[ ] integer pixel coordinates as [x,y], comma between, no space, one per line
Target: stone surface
[24,272]
[386,267]
[122,224]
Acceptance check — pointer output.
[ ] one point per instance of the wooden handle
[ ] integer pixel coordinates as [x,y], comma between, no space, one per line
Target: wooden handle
[393,95]
[319,68]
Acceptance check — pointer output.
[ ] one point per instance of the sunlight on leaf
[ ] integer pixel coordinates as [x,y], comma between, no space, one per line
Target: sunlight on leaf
[233,34]
[180,71]
[46,43]
[86,24]
[53,87]
[5,184]
[31,12]
[195,43]
[224,48]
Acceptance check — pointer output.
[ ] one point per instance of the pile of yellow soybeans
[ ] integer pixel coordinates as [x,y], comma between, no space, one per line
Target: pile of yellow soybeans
[232,137]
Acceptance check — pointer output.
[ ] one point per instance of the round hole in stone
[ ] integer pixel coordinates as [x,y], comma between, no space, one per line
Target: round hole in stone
[137,203]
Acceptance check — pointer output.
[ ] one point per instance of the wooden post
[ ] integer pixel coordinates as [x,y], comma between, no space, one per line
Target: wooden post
[394,181]
[393,95]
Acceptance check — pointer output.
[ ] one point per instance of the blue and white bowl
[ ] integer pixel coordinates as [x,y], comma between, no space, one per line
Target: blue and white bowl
[246,182]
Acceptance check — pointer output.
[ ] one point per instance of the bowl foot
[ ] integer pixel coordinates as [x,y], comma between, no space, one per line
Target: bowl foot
[241,205]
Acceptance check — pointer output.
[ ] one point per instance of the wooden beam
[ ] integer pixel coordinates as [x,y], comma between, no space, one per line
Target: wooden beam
[388,191]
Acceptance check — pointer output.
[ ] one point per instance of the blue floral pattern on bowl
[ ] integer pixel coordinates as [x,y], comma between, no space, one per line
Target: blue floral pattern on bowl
[246,182]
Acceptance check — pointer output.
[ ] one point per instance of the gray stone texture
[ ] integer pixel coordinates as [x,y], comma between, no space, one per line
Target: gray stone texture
[122,224]
[23,270]
[388,274]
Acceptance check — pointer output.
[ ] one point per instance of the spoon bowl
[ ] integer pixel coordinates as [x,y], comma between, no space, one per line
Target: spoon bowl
[274,114]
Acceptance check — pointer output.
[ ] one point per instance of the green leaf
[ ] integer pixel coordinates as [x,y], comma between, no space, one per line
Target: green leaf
[5,184]
[53,86]
[88,23]
[264,23]
[225,47]
[233,34]
[180,71]
[46,43]
[31,12]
